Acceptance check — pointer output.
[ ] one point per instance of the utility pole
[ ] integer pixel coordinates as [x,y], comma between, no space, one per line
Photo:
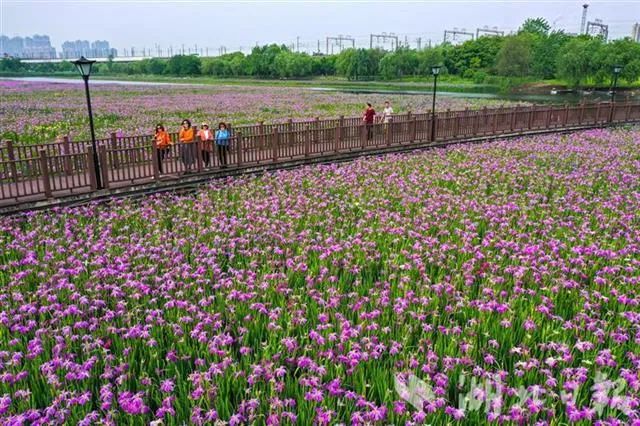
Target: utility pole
[383,38]
[584,17]
[487,31]
[419,40]
[338,41]
[298,44]
[455,33]
[598,28]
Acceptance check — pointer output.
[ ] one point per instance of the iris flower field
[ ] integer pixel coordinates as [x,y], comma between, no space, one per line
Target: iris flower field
[37,112]
[478,284]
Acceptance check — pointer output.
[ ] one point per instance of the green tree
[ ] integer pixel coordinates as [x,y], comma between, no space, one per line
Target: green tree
[538,26]
[545,53]
[576,59]
[183,65]
[514,58]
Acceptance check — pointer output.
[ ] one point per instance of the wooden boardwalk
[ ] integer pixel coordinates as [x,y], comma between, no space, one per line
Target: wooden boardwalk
[33,174]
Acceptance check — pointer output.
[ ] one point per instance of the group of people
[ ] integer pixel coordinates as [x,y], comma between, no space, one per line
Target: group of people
[189,149]
[369,117]
[221,137]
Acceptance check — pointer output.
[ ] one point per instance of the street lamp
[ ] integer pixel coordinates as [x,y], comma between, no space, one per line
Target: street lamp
[84,68]
[617,69]
[435,70]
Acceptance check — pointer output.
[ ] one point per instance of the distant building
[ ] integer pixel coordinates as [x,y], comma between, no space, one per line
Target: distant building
[75,49]
[96,49]
[635,32]
[36,47]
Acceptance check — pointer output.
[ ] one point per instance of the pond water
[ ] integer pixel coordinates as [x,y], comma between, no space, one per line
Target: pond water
[561,98]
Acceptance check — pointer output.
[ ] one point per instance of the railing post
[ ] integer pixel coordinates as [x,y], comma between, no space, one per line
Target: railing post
[474,123]
[316,125]
[289,136]
[67,160]
[597,117]
[339,135]
[494,124]
[412,129]
[261,139]
[387,131]
[239,148]
[92,169]
[104,169]
[307,141]
[363,135]
[44,167]
[612,112]
[530,122]
[12,161]
[581,117]
[114,147]
[547,118]
[627,113]
[155,161]
[512,124]
[274,144]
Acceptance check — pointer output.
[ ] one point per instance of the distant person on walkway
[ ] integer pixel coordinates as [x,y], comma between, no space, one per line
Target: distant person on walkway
[163,141]
[206,144]
[368,117]
[187,147]
[387,112]
[222,143]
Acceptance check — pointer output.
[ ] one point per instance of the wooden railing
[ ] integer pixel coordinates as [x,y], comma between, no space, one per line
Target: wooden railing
[30,173]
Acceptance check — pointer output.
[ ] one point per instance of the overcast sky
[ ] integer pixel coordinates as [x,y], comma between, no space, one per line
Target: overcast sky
[209,23]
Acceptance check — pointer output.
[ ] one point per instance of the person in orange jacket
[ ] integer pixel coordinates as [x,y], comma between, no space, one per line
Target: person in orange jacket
[187,138]
[163,142]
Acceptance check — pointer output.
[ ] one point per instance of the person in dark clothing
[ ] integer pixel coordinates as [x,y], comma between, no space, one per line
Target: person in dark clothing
[368,117]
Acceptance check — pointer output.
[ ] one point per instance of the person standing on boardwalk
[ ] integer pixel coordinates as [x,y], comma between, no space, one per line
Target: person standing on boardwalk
[163,141]
[222,143]
[368,117]
[206,138]
[387,112]
[187,147]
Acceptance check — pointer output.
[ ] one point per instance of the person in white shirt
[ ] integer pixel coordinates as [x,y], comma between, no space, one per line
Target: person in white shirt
[386,116]
[386,113]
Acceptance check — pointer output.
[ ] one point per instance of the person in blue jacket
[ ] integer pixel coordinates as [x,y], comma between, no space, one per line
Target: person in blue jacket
[222,143]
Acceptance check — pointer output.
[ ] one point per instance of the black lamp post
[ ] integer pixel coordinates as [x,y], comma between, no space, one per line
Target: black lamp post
[617,69]
[84,67]
[435,70]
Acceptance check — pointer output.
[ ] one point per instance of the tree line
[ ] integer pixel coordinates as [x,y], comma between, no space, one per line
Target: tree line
[533,52]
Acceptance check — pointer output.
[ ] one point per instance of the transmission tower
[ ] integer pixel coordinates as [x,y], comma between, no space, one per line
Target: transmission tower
[339,42]
[384,37]
[598,28]
[455,33]
[486,31]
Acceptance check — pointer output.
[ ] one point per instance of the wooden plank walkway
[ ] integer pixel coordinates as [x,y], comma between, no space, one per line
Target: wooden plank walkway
[29,175]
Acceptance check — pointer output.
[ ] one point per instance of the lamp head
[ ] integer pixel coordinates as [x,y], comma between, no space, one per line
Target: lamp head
[84,66]
[617,69]
[435,70]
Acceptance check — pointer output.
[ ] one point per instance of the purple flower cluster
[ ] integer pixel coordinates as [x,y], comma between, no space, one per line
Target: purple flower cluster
[505,277]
